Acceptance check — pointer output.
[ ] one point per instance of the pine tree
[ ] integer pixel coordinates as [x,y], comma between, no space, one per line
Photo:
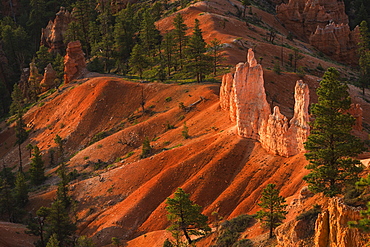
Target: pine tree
[20,191]
[149,35]
[63,187]
[138,60]
[180,37]
[364,56]
[37,170]
[185,216]
[185,131]
[20,132]
[273,208]
[198,63]
[216,54]
[37,225]
[124,34]
[168,45]
[60,224]
[6,200]
[53,241]
[364,223]
[330,145]
[43,58]
[146,148]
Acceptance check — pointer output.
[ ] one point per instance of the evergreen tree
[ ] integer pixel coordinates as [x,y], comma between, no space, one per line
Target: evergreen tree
[60,143]
[185,216]
[364,56]
[63,187]
[198,63]
[364,223]
[273,208]
[7,174]
[37,225]
[53,241]
[20,191]
[84,241]
[6,200]
[43,58]
[124,35]
[216,54]
[330,145]
[185,131]
[60,224]
[180,37]
[37,169]
[149,35]
[20,132]
[168,45]
[138,60]
[146,148]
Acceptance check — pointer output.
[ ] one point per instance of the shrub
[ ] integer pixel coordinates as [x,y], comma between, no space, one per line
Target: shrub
[185,131]
[146,149]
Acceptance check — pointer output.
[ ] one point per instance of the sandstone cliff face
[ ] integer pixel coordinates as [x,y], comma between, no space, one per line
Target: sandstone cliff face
[74,62]
[243,95]
[331,226]
[336,41]
[52,36]
[303,16]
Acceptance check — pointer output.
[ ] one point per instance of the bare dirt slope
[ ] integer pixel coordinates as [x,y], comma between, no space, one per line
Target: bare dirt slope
[103,125]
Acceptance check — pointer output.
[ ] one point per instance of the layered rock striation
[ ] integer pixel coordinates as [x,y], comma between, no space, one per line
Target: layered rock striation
[53,35]
[243,95]
[74,62]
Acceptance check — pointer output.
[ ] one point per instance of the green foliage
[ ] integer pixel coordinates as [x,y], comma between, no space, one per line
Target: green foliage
[273,205]
[63,188]
[43,58]
[116,241]
[330,145]
[146,149]
[364,223]
[53,241]
[310,214]
[364,55]
[216,53]
[185,216]
[277,68]
[84,241]
[231,229]
[185,131]
[20,191]
[138,60]
[180,38]
[197,62]
[37,169]
[167,243]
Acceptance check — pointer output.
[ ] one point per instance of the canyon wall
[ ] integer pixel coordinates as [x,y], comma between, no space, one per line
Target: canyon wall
[324,24]
[243,95]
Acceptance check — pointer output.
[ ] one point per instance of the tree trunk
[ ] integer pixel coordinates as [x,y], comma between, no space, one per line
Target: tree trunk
[20,158]
[187,235]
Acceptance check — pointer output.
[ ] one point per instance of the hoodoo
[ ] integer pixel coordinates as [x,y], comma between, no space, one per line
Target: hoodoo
[243,95]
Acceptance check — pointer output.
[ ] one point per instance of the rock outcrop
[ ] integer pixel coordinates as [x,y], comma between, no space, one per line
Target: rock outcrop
[324,24]
[303,16]
[336,41]
[49,78]
[331,226]
[74,62]
[53,35]
[243,95]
